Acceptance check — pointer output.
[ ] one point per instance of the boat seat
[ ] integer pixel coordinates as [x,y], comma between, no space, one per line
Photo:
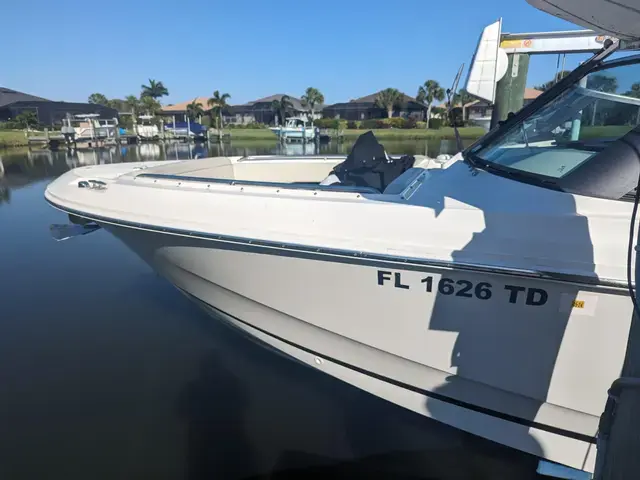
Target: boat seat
[403,181]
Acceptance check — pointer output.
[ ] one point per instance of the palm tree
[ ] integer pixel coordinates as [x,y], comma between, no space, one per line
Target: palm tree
[133,103]
[154,90]
[463,97]
[427,93]
[635,91]
[311,98]
[150,105]
[388,99]
[218,103]
[194,110]
[117,104]
[282,106]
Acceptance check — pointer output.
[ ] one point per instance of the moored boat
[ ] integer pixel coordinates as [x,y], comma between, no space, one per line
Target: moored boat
[490,294]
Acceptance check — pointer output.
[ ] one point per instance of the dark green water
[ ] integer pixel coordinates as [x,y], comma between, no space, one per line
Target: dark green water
[107,372]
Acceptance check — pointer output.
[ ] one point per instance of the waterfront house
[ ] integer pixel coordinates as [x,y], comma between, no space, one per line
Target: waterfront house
[261,111]
[49,113]
[365,108]
[480,110]
[255,111]
[179,110]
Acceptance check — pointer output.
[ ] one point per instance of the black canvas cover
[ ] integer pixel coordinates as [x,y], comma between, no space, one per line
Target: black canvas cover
[368,166]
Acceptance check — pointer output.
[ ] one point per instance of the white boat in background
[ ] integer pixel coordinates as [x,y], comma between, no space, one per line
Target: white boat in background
[145,129]
[295,128]
[90,126]
[489,293]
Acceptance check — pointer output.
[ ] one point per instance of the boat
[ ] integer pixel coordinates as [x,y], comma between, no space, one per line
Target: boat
[488,292]
[295,128]
[84,127]
[146,129]
[184,129]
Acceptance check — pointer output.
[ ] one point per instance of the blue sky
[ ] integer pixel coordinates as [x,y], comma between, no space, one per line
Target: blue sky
[349,48]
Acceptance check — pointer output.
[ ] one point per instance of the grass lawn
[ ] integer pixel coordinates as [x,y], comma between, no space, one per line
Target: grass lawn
[250,133]
[12,138]
[383,133]
[418,133]
[611,131]
[16,138]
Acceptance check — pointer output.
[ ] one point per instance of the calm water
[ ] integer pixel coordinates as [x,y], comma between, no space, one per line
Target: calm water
[107,372]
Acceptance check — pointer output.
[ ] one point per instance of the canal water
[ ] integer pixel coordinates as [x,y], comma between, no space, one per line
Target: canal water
[107,372]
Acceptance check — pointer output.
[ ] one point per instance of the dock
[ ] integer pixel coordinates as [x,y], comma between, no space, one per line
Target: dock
[55,140]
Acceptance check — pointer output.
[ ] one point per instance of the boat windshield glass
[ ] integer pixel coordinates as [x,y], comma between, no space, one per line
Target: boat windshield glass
[572,127]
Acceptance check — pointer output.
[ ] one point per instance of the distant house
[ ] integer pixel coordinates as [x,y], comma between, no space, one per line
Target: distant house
[365,108]
[179,110]
[261,110]
[481,110]
[13,103]
[256,111]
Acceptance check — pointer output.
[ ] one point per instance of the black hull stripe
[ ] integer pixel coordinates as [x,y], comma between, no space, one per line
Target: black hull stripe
[426,393]
[228,242]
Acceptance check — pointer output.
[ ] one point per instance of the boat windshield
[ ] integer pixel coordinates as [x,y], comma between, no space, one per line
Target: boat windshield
[572,127]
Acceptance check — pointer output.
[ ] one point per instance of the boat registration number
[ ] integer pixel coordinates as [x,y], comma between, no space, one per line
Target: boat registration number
[462,288]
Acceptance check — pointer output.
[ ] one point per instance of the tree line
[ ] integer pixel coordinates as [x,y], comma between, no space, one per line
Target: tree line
[148,102]
[388,99]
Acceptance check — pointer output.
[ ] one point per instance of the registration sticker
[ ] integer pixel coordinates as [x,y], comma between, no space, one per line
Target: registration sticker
[580,303]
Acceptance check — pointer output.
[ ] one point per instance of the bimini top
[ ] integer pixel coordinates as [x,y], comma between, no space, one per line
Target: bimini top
[619,18]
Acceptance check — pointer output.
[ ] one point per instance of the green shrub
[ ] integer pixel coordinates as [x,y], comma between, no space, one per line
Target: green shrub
[435,123]
[421,124]
[250,126]
[410,123]
[369,124]
[395,122]
[324,123]
[331,123]
[11,125]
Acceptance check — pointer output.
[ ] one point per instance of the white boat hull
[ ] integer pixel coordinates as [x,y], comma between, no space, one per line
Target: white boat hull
[146,131]
[517,374]
[506,315]
[308,132]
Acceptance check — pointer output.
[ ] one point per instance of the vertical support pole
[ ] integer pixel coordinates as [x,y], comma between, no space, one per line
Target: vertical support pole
[576,123]
[510,90]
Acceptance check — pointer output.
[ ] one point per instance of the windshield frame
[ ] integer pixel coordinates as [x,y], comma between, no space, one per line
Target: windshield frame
[584,179]
[594,64]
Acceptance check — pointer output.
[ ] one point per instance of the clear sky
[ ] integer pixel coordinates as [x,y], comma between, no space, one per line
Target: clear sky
[66,50]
